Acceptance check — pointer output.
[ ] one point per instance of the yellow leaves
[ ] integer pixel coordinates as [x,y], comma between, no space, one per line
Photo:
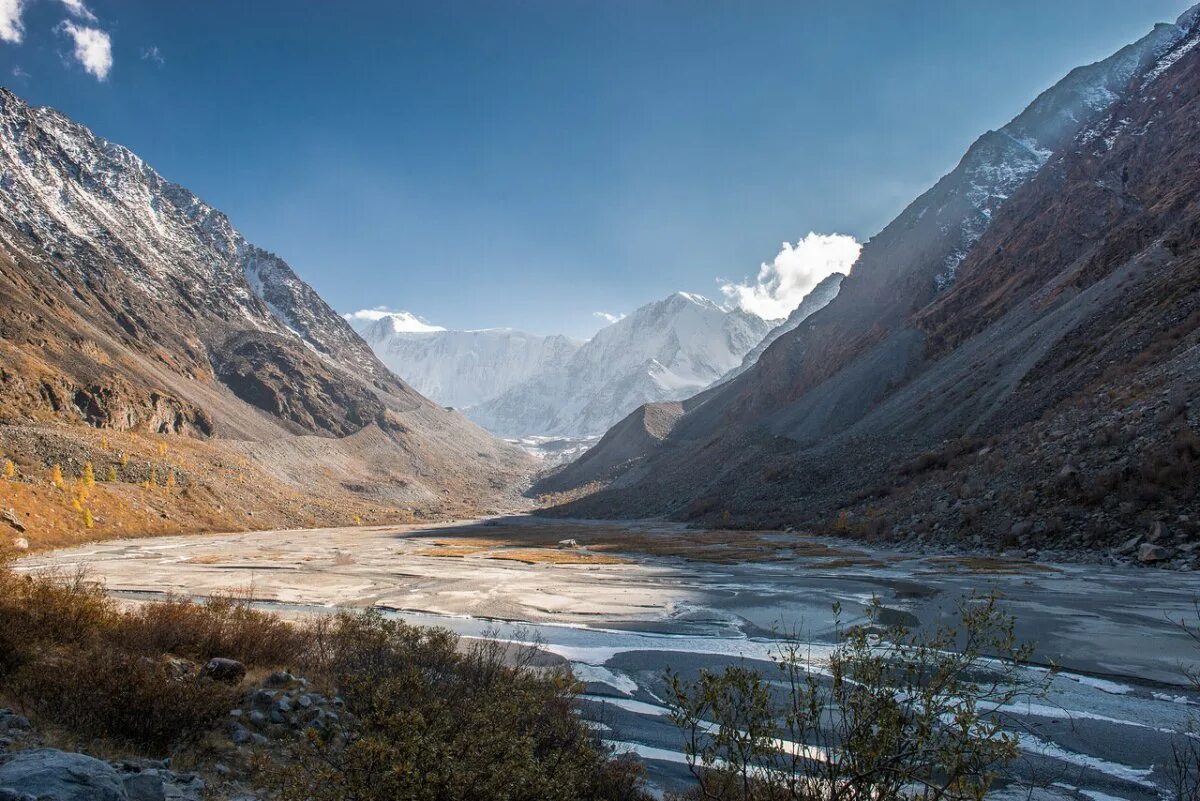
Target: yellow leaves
[104,443]
[56,476]
[162,449]
[89,476]
[171,480]
[88,521]
[76,505]
[111,475]
[358,520]
[10,469]
[124,459]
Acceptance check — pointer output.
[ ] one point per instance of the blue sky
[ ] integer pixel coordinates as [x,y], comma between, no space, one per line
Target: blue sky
[529,163]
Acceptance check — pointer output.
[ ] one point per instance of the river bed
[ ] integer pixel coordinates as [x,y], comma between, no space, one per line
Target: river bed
[622,615]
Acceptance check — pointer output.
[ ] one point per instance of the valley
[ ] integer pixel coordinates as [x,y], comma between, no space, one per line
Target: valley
[629,599]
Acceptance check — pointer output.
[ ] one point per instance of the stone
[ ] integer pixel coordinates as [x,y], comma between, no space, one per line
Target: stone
[238,734]
[1158,532]
[568,544]
[10,516]
[1149,553]
[144,787]
[229,671]
[258,718]
[1130,545]
[54,775]
[1021,528]
[20,544]
[280,678]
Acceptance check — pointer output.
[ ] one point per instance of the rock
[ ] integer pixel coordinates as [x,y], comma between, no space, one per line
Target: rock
[144,787]
[20,543]
[1149,553]
[238,734]
[10,516]
[1129,546]
[568,544]
[1158,532]
[1068,471]
[280,678]
[13,795]
[1021,528]
[54,775]
[304,701]
[229,671]
[13,722]
[261,698]
[258,718]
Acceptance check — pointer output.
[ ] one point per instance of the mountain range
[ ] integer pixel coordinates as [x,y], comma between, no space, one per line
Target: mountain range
[129,305]
[1012,361]
[516,384]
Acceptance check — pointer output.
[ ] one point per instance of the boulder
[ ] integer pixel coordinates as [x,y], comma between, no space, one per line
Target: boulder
[144,787]
[10,516]
[229,671]
[1149,553]
[53,775]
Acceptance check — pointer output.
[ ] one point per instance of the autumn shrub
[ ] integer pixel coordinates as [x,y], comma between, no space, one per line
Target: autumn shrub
[430,718]
[96,691]
[221,625]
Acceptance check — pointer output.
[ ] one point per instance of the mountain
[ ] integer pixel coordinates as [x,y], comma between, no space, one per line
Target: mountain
[1011,362]
[128,304]
[817,298]
[665,350]
[459,368]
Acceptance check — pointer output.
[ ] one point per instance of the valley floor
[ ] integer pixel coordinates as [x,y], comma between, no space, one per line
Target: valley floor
[626,600]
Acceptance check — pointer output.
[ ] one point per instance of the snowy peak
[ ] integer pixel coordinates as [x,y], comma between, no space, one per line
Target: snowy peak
[458,368]
[382,320]
[665,350]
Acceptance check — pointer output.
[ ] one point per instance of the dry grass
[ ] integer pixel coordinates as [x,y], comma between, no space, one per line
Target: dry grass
[551,556]
[987,564]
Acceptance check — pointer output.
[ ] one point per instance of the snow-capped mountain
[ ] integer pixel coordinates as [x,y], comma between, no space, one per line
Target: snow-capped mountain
[127,302]
[665,350]
[459,368]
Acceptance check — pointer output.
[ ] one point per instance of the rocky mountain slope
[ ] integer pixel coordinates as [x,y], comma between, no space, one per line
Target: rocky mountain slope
[1011,362]
[665,350]
[818,298]
[461,368]
[129,305]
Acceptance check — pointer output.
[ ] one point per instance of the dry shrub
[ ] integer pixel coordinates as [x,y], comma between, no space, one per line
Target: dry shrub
[98,692]
[222,625]
[433,720]
[37,613]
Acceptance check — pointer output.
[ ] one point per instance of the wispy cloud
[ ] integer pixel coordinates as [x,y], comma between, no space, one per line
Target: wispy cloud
[11,28]
[608,317]
[76,8]
[152,53]
[781,285]
[93,48]
[19,73]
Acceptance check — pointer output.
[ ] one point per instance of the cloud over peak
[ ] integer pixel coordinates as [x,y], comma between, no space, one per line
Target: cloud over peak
[779,287]
[93,48]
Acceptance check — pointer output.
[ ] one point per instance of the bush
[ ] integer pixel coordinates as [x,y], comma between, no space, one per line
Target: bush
[222,625]
[432,720]
[889,717]
[97,692]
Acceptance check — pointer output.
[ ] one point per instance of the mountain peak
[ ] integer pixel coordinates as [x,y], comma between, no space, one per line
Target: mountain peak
[398,322]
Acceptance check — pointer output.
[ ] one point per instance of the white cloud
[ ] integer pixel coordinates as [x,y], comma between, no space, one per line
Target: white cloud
[152,53]
[11,29]
[781,285]
[402,321]
[76,8]
[19,73]
[93,48]
[608,317]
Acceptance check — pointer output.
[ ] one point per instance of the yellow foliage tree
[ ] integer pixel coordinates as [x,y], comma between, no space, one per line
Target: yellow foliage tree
[88,522]
[357,520]
[162,449]
[89,476]
[10,469]
[56,476]
[171,480]
[112,474]
[104,443]
[76,505]
[124,459]
[153,479]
